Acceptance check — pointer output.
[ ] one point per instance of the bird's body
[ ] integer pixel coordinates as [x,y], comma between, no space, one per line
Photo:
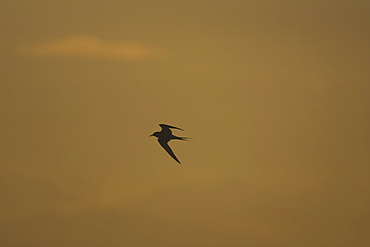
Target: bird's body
[165,135]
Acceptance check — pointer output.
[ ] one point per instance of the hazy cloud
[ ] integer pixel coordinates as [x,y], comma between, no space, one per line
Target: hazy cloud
[90,48]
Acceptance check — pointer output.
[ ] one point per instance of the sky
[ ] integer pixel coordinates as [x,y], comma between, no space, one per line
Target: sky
[275,95]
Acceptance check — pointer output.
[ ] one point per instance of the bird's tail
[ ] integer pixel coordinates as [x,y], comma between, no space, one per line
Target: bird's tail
[181,138]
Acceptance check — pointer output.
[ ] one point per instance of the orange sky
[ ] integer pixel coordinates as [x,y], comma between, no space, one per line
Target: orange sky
[274,93]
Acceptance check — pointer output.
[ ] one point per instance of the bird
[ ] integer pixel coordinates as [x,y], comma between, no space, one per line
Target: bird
[165,135]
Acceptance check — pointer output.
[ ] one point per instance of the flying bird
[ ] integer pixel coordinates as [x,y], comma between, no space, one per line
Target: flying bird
[165,135]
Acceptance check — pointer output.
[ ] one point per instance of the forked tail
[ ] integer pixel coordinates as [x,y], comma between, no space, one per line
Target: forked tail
[180,138]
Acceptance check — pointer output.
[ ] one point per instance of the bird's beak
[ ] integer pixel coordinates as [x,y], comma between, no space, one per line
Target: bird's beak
[151,135]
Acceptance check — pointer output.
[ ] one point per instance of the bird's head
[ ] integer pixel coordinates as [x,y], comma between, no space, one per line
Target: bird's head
[156,134]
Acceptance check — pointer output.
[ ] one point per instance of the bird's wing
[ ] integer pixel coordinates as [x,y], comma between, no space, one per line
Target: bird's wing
[168,149]
[168,127]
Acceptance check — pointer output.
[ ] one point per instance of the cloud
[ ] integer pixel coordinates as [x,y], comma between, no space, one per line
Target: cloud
[88,47]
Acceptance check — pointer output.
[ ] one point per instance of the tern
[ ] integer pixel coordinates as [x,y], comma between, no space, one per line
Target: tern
[165,135]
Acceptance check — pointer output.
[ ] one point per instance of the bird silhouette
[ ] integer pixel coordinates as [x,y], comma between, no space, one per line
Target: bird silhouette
[165,135]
